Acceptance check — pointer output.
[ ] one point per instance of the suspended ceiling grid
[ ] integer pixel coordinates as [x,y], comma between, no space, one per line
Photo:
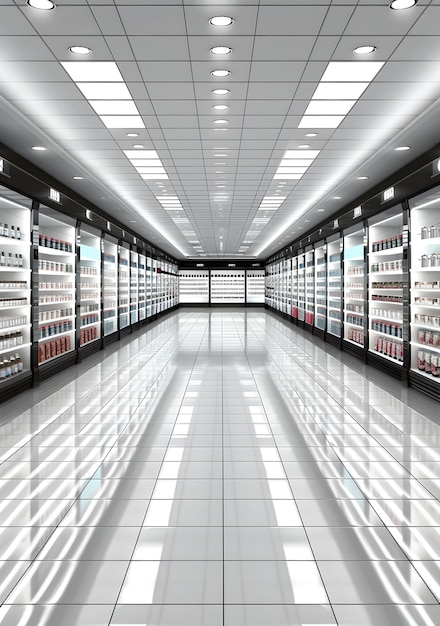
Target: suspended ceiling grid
[280,52]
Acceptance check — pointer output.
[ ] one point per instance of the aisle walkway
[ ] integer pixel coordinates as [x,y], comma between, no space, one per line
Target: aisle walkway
[220,469]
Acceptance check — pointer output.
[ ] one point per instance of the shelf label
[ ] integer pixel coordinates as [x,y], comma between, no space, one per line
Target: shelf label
[357,212]
[55,195]
[335,224]
[388,194]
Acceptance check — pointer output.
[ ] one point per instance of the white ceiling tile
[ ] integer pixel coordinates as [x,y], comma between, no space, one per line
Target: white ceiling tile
[282,48]
[153,20]
[66,20]
[166,72]
[24,48]
[277,71]
[290,20]
[13,22]
[108,20]
[380,20]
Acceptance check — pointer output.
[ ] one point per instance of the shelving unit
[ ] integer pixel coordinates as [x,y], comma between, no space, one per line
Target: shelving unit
[56,267]
[301,287]
[148,288]
[268,286]
[110,286]
[154,287]
[90,285]
[334,286]
[255,286]
[425,291]
[354,288]
[194,286]
[134,278]
[321,287]
[227,287]
[142,304]
[123,286]
[295,287]
[385,262]
[310,287]
[15,288]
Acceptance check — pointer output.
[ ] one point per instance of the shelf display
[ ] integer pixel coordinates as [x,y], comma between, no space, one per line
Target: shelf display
[123,286]
[334,286]
[354,288]
[56,266]
[148,289]
[286,299]
[228,287]
[15,285]
[154,287]
[310,287]
[425,285]
[110,286]
[301,287]
[255,286]
[321,287]
[134,277]
[295,287]
[142,304]
[385,261]
[268,286]
[90,285]
[194,286]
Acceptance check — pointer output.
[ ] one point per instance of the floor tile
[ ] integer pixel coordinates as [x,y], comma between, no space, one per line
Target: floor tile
[168,615]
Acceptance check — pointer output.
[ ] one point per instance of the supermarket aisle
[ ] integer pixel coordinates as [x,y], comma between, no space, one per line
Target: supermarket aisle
[219,469]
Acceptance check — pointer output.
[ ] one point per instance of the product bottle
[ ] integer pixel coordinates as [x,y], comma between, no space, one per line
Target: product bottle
[1,229]
[2,371]
[18,233]
[2,260]
[5,230]
[10,262]
[12,232]
[19,362]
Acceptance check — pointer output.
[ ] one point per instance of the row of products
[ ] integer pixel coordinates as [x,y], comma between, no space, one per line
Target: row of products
[334,258]
[421,318]
[356,335]
[53,348]
[355,286]
[11,340]
[354,308]
[355,270]
[11,367]
[51,266]
[109,258]
[90,318]
[57,298]
[90,296]
[427,301]
[9,259]
[9,322]
[387,285]
[390,348]
[89,271]
[430,260]
[56,329]
[357,320]
[9,302]
[107,313]
[123,261]
[6,285]
[53,286]
[54,314]
[427,284]
[382,298]
[388,266]
[386,244]
[392,314]
[89,308]
[88,334]
[430,232]
[428,362]
[11,232]
[55,244]
[428,337]
[380,326]
[334,273]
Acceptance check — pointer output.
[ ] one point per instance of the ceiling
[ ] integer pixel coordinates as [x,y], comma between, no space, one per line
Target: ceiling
[283,52]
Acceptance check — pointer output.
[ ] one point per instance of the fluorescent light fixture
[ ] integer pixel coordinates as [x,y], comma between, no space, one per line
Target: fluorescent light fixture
[80,50]
[39,148]
[296,162]
[220,107]
[105,91]
[146,162]
[361,177]
[287,176]
[154,176]
[320,121]
[114,107]
[138,145]
[339,91]
[166,198]
[351,71]
[141,154]
[221,50]
[221,122]
[291,170]
[132,134]
[221,20]
[364,49]
[77,177]
[220,155]
[93,71]
[150,170]
[220,92]
[399,5]
[274,207]
[42,5]
[402,148]
[311,134]
[122,121]
[221,73]
[300,154]
[336,198]
[329,107]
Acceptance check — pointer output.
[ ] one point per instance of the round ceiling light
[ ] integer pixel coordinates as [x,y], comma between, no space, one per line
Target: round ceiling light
[221,73]
[220,107]
[220,92]
[221,20]
[132,134]
[304,145]
[364,49]
[78,177]
[311,134]
[221,122]
[39,148]
[399,5]
[361,177]
[80,50]
[43,5]
[221,50]
[402,148]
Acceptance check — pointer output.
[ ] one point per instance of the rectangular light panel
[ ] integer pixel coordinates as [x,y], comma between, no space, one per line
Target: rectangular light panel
[329,107]
[339,91]
[321,121]
[114,107]
[93,71]
[351,71]
[105,91]
[122,121]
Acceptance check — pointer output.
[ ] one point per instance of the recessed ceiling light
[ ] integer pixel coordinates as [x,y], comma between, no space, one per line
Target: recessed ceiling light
[361,177]
[220,155]
[304,145]
[221,92]
[221,20]
[399,5]
[77,177]
[321,210]
[132,134]
[221,73]
[80,50]
[138,145]
[221,122]
[364,49]
[306,221]
[311,134]
[43,5]
[350,71]
[336,197]
[221,50]
[219,163]
[39,148]
[401,148]
[220,107]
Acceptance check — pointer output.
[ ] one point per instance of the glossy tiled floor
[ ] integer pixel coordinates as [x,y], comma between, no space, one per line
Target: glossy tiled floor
[219,469]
